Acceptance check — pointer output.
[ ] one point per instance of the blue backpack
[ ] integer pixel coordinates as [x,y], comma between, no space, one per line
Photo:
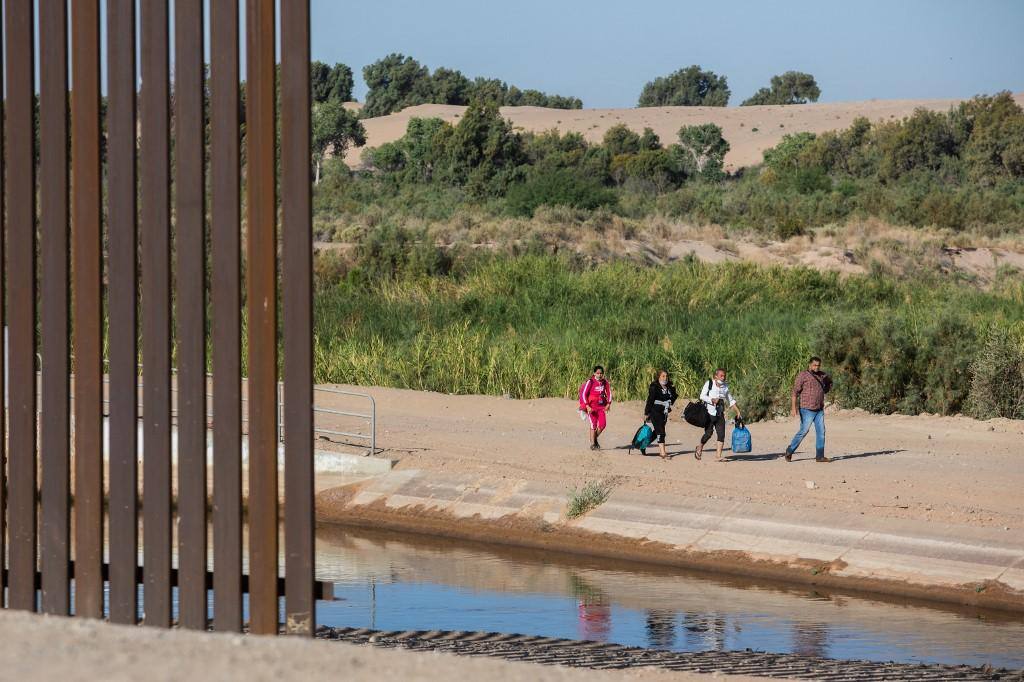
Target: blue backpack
[740,439]
[642,439]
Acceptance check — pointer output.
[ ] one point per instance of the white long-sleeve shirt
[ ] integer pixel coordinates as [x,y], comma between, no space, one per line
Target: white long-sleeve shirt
[713,390]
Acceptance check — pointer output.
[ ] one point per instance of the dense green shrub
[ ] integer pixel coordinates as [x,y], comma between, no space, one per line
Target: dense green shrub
[654,170]
[388,251]
[620,139]
[904,361]
[560,187]
[997,384]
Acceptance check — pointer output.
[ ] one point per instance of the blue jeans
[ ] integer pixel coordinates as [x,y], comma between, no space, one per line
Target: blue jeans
[806,418]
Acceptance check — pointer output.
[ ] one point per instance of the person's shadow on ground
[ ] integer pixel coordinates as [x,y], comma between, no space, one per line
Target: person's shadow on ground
[839,458]
[810,457]
[653,451]
[762,457]
[672,454]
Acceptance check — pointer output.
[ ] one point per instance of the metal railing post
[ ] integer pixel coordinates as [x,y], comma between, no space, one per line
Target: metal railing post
[371,418]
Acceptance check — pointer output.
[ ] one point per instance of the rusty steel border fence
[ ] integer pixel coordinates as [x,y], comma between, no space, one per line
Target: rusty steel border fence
[93,247]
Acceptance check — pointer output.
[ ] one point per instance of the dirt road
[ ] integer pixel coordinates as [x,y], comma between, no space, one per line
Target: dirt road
[948,470]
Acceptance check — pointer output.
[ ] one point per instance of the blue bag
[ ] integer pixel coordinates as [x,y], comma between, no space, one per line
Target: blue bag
[642,439]
[740,439]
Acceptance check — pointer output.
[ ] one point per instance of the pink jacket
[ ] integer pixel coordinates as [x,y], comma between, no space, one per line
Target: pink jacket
[596,394]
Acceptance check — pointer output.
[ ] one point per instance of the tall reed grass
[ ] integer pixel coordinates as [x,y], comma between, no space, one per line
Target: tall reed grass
[533,326]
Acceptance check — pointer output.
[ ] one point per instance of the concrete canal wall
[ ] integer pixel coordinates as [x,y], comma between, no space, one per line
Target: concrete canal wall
[971,566]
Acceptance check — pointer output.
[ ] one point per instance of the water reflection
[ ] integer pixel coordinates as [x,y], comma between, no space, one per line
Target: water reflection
[661,628]
[595,613]
[810,639]
[397,582]
[705,631]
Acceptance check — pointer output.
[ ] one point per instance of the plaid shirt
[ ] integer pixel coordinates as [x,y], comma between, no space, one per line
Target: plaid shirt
[810,391]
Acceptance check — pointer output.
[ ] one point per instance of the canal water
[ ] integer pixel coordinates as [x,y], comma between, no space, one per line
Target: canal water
[392,581]
[400,581]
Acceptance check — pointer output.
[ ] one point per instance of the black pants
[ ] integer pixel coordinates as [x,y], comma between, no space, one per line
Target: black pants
[658,422]
[715,425]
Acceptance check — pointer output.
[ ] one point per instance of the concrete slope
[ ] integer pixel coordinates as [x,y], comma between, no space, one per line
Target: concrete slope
[957,564]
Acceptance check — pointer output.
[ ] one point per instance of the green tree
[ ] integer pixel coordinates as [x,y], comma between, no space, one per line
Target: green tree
[425,145]
[553,149]
[993,132]
[649,140]
[704,150]
[490,90]
[535,98]
[689,87]
[563,102]
[619,139]
[792,87]
[450,86]
[388,158]
[319,73]
[340,83]
[785,157]
[334,129]
[330,82]
[396,82]
[922,141]
[483,150]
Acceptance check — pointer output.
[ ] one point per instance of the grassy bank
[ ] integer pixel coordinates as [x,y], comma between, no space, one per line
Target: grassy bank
[533,326]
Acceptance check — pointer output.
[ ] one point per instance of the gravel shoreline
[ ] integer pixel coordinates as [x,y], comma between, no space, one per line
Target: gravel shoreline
[34,647]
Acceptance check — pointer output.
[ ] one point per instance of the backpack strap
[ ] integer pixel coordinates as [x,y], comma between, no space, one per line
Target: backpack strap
[820,382]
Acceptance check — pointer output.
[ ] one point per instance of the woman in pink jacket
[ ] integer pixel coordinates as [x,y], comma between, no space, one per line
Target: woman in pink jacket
[596,401]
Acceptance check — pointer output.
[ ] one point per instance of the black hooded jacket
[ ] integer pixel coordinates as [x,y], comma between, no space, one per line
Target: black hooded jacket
[660,394]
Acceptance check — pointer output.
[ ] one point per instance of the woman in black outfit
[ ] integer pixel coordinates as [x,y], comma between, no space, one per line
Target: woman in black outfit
[661,394]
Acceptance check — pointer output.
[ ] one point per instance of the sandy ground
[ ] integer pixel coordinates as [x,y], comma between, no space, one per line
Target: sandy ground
[45,648]
[948,470]
[749,130]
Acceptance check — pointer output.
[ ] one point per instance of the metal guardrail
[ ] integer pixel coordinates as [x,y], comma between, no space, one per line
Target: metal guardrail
[370,418]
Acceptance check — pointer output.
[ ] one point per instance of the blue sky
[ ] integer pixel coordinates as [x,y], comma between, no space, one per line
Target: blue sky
[604,51]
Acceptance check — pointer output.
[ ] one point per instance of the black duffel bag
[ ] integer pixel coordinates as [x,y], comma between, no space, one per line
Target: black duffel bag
[697,413]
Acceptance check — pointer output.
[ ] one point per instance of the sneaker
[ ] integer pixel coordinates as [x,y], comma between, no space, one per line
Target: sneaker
[789,455]
[826,460]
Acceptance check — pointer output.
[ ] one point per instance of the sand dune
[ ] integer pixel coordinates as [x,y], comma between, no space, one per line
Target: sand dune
[749,130]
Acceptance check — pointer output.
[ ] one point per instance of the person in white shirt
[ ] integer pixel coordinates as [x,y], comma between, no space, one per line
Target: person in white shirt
[716,397]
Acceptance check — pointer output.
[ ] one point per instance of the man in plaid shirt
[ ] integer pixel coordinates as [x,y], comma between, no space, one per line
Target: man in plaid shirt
[809,391]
